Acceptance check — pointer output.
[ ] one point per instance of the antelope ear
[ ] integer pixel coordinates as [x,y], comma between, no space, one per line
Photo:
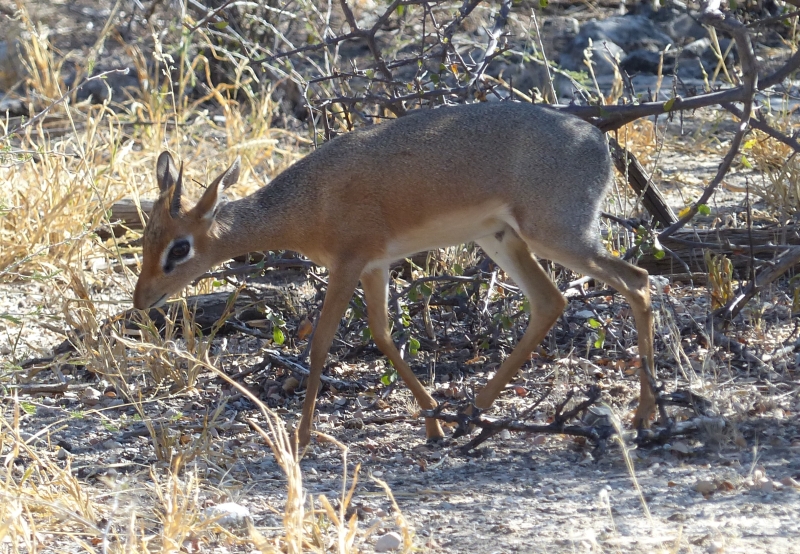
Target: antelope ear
[206,207]
[166,172]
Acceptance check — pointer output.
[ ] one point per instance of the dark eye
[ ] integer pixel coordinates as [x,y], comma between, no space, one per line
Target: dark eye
[179,250]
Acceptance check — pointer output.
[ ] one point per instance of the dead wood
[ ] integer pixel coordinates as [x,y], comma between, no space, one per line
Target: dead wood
[598,432]
[207,310]
[651,196]
[767,242]
[770,272]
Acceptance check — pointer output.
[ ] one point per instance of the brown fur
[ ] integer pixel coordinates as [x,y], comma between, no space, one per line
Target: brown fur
[515,178]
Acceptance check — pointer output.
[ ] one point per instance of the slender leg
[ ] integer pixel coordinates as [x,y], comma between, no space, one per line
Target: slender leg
[341,284]
[633,283]
[376,289]
[511,253]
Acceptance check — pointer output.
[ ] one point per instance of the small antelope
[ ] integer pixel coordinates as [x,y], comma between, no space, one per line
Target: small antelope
[515,178]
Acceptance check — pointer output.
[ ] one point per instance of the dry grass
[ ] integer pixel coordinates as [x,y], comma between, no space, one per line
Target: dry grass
[61,173]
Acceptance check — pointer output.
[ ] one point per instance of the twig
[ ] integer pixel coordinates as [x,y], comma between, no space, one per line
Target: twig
[713,16]
[775,269]
[301,370]
[63,98]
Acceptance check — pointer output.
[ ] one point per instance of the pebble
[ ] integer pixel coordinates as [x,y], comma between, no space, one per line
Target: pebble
[705,487]
[716,547]
[388,542]
[229,515]
[90,396]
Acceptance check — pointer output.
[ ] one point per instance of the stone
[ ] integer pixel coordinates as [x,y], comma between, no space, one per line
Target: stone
[388,542]
[229,515]
[626,33]
[91,396]
[684,28]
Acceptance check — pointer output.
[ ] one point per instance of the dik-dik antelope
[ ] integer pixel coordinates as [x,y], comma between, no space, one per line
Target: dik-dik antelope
[515,178]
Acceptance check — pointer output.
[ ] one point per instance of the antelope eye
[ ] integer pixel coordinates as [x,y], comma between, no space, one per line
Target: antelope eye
[179,250]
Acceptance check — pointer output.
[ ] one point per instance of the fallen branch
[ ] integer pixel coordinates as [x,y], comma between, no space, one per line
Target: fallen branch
[489,427]
[781,265]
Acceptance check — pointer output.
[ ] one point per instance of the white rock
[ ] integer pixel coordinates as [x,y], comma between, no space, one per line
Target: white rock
[388,542]
[584,314]
[90,396]
[229,514]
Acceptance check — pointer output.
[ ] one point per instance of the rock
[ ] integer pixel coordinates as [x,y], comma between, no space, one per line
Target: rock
[603,56]
[290,384]
[789,482]
[684,28]
[91,396]
[229,515]
[619,35]
[647,61]
[388,542]
[557,33]
[705,487]
[118,85]
[630,32]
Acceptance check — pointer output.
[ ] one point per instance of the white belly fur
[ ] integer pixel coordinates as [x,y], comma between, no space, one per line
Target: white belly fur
[448,229]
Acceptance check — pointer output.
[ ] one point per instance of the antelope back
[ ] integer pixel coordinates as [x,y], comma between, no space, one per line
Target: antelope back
[178,240]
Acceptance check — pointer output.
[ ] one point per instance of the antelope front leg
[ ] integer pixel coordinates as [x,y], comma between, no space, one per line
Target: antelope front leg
[341,284]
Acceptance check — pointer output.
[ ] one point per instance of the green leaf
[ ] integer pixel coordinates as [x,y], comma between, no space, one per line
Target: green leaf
[594,324]
[746,162]
[28,408]
[389,377]
[458,269]
[216,283]
[413,294]
[413,346]
[366,334]
[601,339]
[109,427]
[221,25]
[668,104]
[276,320]
[277,336]
[544,3]
[659,254]
[426,290]
[703,209]
[401,10]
